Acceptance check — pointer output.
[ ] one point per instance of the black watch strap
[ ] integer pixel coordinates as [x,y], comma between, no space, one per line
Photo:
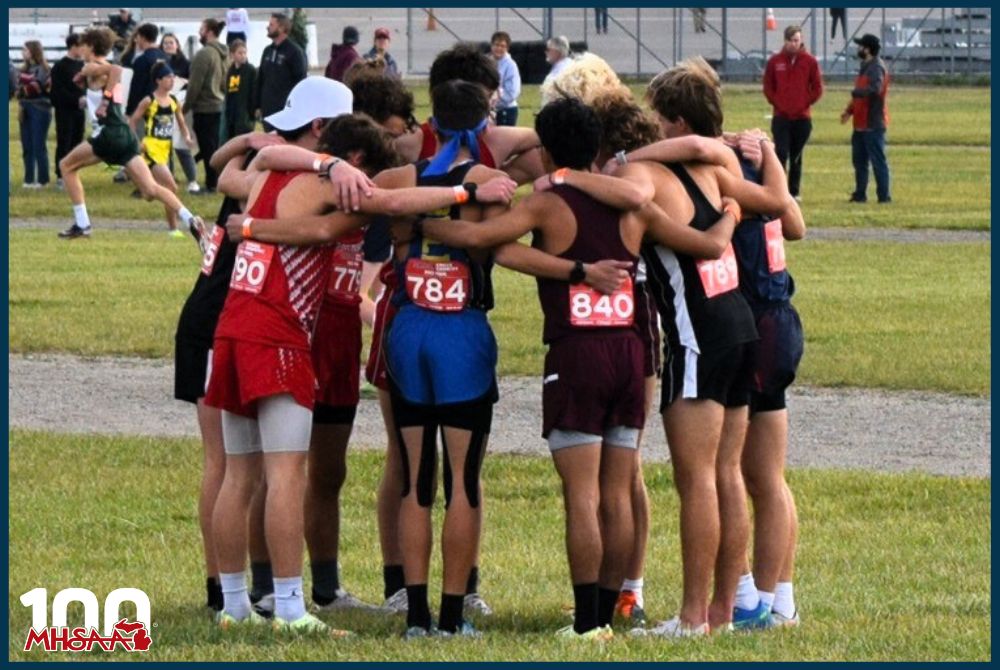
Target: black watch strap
[470,188]
[577,274]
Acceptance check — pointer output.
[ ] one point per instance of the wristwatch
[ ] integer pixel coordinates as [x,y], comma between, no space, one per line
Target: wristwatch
[470,188]
[577,274]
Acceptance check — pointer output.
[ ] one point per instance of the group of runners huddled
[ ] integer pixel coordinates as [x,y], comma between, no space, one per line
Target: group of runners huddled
[351,212]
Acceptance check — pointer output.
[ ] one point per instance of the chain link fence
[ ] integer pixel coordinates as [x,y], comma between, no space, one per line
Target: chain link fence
[639,42]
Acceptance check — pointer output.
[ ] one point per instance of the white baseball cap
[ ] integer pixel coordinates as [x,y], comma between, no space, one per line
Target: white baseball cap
[313,98]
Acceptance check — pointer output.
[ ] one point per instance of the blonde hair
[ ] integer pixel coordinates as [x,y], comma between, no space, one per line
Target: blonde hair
[692,91]
[587,78]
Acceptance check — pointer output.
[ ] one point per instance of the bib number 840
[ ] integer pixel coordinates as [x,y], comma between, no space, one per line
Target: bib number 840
[590,309]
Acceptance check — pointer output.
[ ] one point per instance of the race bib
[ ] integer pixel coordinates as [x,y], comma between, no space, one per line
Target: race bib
[719,276]
[208,260]
[775,246]
[591,309]
[252,262]
[345,271]
[438,286]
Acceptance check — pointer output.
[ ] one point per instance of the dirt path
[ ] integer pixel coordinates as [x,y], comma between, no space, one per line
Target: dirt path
[830,428]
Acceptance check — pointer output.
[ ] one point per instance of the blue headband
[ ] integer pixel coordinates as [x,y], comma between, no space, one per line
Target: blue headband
[456,140]
[164,71]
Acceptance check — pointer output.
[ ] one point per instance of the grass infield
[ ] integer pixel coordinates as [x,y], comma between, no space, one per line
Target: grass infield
[891,567]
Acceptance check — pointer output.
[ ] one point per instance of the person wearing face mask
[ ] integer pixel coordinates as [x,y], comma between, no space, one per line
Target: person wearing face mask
[870,112]
[792,84]
[206,94]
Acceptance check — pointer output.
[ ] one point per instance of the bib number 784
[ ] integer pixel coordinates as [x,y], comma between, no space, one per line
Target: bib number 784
[439,287]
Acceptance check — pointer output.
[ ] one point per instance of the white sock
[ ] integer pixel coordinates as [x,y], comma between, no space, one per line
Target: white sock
[784,599]
[746,593]
[185,215]
[289,602]
[80,215]
[767,599]
[235,599]
[635,586]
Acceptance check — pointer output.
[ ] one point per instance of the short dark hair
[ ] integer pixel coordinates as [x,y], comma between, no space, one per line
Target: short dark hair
[571,133]
[502,36]
[284,22]
[214,26]
[99,39]
[459,105]
[160,67]
[72,40]
[380,96]
[467,62]
[295,133]
[348,133]
[148,32]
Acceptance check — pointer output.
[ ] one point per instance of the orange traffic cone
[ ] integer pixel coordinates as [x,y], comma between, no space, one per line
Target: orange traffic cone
[432,23]
[772,23]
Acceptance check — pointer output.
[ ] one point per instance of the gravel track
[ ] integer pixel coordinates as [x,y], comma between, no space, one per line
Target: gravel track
[830,428]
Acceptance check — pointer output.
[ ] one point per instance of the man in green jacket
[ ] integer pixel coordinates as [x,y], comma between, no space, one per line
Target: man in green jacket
[206,94]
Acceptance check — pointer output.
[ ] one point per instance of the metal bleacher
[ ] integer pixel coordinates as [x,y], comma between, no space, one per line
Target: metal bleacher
[925,43]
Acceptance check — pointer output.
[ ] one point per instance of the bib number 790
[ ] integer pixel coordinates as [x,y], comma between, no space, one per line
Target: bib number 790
[250,269]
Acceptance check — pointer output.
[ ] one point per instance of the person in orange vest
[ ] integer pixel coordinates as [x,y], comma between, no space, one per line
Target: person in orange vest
[792,84]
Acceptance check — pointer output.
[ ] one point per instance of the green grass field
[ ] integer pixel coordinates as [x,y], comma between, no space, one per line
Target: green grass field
[890,568]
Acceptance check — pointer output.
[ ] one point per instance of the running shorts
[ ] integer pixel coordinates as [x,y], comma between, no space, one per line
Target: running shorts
[336,354]
[244,372]
[375,370]
[192,362]
[776,356]
[116,144]
[723,375]
[647,323]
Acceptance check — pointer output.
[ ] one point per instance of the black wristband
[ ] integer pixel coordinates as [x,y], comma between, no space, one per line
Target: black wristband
[470,188]
[577,274]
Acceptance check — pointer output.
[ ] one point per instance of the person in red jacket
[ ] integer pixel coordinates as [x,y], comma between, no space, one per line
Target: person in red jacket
[792,84]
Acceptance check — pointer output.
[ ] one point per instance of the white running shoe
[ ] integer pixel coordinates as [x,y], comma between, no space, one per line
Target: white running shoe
[672,628]
[473,604]
[348,601]
[193,187]
[398,602]
[779,620]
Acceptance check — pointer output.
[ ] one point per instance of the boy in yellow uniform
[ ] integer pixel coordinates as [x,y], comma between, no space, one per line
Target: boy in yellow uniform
[159,111]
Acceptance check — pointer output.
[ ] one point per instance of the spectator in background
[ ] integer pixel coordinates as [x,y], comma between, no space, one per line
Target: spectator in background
[68,101]
[239,89]
[838,14]
[237,25]
[601,20]
[870,112]
[343,56]
[792,84]
[282,66]
[510,80]
[380,51]
[556,55]
[122,23]
[146,37]
[698,17]
[181,66]
[206,95]
[298,33]
[34,113]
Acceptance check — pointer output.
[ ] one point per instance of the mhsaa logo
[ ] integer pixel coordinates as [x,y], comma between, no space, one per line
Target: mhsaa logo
[118,633]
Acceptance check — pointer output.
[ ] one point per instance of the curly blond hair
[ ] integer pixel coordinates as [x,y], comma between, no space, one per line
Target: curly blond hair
[587,78]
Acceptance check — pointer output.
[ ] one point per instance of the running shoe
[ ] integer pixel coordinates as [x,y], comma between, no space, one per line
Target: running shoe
[264,605]
[193,188]
[368,391]
[417,632]
[75,231]
[308,624]
[629,609]
[176,234]
[672,628]
[599,634]
[398,602]
[724,629]
[227,621]
[197,228]
[345,601]
[751,619]
[465,630]
[475,605]
[778,620]
[120,177]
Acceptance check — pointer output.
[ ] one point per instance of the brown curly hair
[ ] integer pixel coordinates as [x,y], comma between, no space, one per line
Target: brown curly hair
[349,133]
[691,90]
[100,40]
[379,96]
[624,125]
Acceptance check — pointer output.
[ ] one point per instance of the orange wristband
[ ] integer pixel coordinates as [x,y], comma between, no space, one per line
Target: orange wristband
[318,163]
[461,195]
[247,235]
[559,176]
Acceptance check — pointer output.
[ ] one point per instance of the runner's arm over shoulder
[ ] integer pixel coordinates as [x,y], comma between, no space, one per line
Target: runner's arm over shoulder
[242,145]
[704,244]
[298,231]
[522,219]
[394,195]
[617,191]
[689,148]
[604,276]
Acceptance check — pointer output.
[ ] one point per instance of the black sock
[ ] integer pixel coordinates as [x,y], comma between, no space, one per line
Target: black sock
[326,581]
[418,614]
[451,612]
[261,579]
[472,586]
[392,576]
[214,591]
[585,601]
[606,599]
